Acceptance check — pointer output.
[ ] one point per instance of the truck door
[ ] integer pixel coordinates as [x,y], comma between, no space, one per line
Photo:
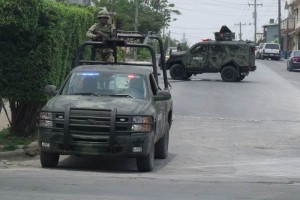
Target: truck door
[197,58]
[159,106]
[216,57]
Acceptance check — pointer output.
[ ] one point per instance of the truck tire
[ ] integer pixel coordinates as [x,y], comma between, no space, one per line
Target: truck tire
[177,72]
[49,160]
[241,78]
[229,74]
[146,163]
[162,146]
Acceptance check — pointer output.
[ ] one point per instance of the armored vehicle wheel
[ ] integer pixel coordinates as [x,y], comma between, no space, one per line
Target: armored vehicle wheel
[161,147]
[49,159]
[229,74]
[177,72]
[146,163]
[241,77]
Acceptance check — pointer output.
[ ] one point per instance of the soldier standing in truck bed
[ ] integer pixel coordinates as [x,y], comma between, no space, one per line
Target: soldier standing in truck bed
[99,32]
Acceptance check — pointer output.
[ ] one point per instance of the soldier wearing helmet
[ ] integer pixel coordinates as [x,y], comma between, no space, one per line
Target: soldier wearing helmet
[99,32]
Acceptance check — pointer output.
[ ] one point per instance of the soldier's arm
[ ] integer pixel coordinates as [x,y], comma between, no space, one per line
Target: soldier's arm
[91,33]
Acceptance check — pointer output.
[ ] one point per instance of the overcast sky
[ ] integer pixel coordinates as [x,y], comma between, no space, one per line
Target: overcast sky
[201,18]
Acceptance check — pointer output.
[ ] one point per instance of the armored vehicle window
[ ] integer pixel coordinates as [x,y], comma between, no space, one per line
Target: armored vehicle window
[217,48]
[199,49]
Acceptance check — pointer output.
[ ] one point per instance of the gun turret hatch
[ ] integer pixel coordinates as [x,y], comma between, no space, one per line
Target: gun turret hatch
[224,34]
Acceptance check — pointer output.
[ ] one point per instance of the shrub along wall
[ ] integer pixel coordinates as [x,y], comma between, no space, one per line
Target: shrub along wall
[38,41]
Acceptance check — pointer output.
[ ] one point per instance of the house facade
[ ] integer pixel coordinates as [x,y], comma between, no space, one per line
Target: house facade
[270,32]
[290,27]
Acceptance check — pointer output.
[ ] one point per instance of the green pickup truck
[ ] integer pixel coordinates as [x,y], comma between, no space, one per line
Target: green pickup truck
[108,109]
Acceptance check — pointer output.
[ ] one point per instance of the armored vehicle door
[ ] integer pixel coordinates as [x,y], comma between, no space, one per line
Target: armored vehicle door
[197,58]
[216,57]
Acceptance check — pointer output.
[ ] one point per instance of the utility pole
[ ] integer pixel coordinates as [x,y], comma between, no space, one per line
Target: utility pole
[169,39]
[240,34]
[136,24]
[136,16]
[255,16]
[279,24]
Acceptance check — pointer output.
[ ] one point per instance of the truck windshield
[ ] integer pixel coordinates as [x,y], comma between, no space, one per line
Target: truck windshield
[272,46]
[106,84]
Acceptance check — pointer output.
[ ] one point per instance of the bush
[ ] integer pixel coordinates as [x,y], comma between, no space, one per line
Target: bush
[144,54]
[38,44]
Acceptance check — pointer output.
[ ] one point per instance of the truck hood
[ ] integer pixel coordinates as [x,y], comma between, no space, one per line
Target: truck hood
[124,105]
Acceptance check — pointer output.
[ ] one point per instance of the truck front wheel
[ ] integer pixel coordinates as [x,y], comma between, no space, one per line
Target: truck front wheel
[177,72]
[49,159]
[162,146]
[146,163]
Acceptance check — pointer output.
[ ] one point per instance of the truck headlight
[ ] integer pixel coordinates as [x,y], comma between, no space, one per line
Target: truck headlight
[46,120]
[142,123]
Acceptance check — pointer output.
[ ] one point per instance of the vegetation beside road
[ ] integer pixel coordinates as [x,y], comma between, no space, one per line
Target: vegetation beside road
[38,42]
[9,142]
[39,39]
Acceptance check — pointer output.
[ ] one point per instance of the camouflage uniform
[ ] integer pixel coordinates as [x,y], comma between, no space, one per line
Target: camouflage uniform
[99,32]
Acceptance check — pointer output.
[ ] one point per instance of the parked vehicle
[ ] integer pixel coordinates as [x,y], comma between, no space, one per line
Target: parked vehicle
[269,50]
[293,61]
[169,51]
[108,109]
[233,59]
[258,50]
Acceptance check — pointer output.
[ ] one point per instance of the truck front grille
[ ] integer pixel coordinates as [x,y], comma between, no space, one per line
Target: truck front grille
[96,122]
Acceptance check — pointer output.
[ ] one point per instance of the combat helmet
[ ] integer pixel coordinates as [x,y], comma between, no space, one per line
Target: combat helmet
[103,13]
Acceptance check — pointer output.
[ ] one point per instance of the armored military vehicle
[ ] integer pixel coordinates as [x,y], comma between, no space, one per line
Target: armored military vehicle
[233,59]
[109,109]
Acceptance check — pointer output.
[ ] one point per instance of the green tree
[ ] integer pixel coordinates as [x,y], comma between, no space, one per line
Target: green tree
[151,17]
[37,47]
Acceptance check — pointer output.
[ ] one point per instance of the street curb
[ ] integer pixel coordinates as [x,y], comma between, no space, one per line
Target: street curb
[30,150]
[12,154]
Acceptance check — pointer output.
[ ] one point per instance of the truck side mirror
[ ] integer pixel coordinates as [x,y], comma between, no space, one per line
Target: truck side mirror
[162,96]
[50,90]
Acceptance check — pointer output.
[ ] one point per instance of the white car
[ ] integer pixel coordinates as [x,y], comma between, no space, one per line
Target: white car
[169,51]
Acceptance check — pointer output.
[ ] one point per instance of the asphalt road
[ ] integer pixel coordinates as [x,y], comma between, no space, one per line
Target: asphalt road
[228,141]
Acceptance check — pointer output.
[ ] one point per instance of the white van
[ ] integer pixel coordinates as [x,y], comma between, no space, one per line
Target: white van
[269,50]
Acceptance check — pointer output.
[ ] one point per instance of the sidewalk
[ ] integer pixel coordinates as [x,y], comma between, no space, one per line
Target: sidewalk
[3,119]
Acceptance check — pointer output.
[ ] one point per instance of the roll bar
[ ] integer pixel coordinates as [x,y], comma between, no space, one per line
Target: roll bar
[118,41]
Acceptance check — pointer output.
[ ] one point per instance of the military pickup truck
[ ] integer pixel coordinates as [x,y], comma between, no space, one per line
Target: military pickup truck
[108,109]
[233,59]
